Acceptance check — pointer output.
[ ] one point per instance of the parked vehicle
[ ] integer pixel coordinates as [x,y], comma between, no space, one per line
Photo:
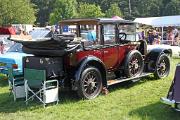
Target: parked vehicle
[14,55]
[88,66]
[12,58]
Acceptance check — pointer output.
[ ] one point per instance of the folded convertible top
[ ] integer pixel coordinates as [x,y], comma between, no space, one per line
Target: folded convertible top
[57,45]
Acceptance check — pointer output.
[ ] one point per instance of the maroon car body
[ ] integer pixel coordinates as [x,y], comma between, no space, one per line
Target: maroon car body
[94,54]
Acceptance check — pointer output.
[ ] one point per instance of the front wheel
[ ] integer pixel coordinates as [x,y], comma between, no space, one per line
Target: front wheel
[134,64]
[162,66]
[90,83]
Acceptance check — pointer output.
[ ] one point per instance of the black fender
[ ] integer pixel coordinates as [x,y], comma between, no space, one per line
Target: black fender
[154,54]
[90,61]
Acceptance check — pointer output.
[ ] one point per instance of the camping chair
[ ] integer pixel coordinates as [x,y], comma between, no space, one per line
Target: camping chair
[36,85]
[16,84]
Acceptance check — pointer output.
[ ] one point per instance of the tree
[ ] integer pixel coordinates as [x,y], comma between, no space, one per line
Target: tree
[114,10]
[87,10]
[172,8]
[154,10]
[20,11]
[63,9]
[44,7]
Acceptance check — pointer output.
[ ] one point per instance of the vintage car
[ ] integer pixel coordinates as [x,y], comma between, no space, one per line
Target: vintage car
[98,53]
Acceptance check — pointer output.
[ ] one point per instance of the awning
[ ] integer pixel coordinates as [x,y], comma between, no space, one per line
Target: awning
[163,21]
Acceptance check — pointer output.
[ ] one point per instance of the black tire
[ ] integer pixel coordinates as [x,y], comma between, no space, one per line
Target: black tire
[90,83]
[134,64]
[162,68]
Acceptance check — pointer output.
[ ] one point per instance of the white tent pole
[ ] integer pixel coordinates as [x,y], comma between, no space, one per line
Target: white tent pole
[162,34]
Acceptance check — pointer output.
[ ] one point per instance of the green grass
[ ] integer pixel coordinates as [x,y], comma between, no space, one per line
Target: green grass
[126,101]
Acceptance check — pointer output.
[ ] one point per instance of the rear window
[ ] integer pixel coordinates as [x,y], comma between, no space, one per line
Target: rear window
[17,47]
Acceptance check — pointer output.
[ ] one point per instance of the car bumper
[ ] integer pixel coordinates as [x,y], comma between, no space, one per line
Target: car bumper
[15,71]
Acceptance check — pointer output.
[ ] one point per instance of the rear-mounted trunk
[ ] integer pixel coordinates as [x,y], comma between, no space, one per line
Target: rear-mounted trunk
[52,65]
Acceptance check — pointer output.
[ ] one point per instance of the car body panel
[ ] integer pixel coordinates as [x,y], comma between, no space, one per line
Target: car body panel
[12,58]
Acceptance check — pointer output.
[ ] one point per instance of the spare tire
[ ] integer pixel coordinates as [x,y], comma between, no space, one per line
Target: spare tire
[134,64]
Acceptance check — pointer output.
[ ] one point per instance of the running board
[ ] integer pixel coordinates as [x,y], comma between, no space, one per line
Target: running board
[119,80]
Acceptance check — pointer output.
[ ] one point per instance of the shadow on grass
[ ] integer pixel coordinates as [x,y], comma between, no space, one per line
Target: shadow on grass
[8,105]
[3,83]
[156,111]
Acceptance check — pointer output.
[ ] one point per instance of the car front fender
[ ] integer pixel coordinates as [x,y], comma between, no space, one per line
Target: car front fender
[153,54]
[152,57]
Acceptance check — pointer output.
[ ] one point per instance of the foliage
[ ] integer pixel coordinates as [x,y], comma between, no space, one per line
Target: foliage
[63,9]
[172,8]
[130,9]
[86,10]
[19,11]
[126,101]
[114,10]
[44,7]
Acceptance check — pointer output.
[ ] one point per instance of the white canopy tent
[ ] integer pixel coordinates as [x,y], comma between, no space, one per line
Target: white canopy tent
[163,21]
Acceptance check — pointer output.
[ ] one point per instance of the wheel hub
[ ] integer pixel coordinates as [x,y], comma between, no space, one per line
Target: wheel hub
[91,83]
[162,67]
[135,64]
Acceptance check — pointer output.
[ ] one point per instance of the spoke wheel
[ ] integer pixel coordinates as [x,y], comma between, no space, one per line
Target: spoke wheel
[134,64]
[162,66]
[90,84]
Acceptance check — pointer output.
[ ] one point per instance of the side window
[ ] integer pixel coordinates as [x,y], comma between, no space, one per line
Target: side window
[109,34]
[88,35]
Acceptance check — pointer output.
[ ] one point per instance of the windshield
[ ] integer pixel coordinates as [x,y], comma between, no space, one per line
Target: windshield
[17,47]
[129,30]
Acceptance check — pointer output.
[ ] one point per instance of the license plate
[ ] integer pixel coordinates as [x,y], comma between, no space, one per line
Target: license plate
[2,64]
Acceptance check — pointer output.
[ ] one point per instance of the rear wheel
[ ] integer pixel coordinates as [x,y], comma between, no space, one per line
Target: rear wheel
[90,83]
[134,64]
[162,66]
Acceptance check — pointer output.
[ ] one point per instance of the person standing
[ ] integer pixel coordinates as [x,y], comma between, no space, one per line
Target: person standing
[153,37]
[176,36]
[170,37]
[1,47]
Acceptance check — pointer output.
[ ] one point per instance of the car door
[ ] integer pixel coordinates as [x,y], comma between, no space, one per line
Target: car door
[110,48]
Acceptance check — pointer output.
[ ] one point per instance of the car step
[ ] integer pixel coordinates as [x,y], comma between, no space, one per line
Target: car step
[119,80]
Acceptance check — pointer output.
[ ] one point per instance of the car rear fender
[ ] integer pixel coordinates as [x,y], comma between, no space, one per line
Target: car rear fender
[91,61]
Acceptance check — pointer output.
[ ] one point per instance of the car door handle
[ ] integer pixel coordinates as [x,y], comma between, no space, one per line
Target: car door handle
[105,51]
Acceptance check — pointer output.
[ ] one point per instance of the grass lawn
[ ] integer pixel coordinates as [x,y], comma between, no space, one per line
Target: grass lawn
[126,101]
